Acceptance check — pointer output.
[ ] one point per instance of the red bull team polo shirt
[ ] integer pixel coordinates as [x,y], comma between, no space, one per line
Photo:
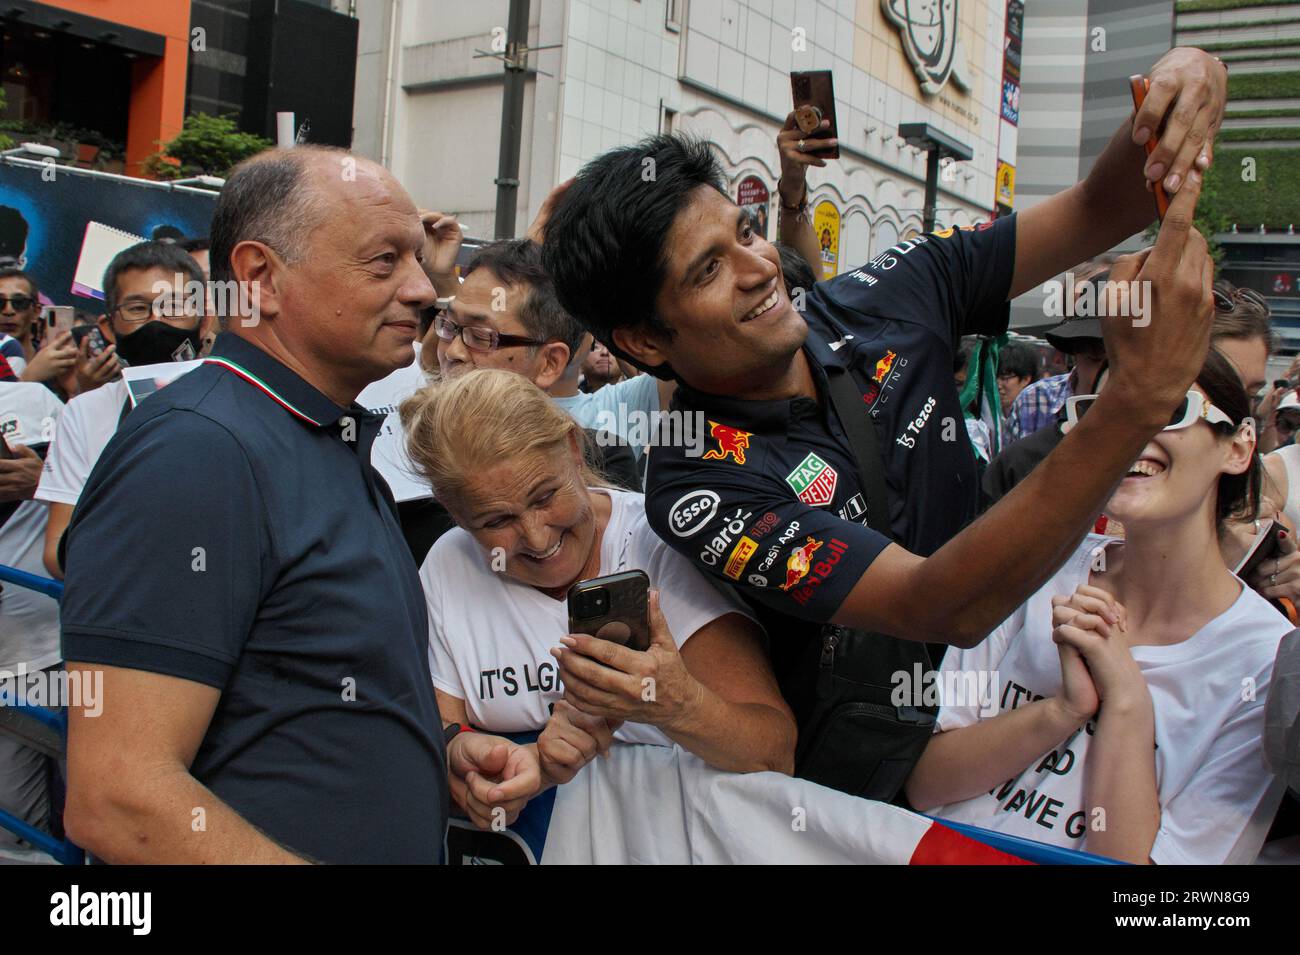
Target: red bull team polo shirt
[774,506]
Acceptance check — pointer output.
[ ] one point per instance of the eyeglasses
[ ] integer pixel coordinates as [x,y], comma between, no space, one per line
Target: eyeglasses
[1223,302]
[478,337]
[20,303]
[137,313]
[1194,407]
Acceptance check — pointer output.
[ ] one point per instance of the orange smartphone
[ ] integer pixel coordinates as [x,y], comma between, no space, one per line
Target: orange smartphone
[1138,87]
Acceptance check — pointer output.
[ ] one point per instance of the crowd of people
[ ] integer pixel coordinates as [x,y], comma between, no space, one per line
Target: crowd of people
[297,668]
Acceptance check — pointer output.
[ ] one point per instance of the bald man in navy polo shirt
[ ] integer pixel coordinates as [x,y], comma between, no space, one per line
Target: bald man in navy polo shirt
[236,569]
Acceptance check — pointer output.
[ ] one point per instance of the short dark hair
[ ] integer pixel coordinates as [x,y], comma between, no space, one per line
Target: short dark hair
[796,271]
[1237,495]
[267,198]
[9,272]
[13,232]
[518,262]
[168,256]
[199,244]
[1019,360]
[607,244]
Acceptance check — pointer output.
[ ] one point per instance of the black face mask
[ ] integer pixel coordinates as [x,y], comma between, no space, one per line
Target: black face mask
[156,342]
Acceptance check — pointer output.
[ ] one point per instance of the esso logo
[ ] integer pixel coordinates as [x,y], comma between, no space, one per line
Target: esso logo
[692,512]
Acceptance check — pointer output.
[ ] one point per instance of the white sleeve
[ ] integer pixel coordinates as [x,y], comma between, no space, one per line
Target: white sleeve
[640,395]
[442,666]
[67,463]
[973,667]
[689,600]
[1203,822]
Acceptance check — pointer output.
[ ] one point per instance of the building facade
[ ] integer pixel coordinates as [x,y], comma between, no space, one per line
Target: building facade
[429,92]
[1075,94]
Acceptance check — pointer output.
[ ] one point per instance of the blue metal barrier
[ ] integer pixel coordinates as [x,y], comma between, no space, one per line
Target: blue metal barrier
[51,588]
[55,721]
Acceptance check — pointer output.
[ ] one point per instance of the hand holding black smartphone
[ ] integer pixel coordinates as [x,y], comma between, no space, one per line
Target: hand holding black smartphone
[814,101]
[614,608]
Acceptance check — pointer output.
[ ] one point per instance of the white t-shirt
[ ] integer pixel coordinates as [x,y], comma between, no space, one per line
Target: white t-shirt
[1210,769]
[1290,458]
[87,426]
[626,408]
[490,636]
[29,621]
[388,454]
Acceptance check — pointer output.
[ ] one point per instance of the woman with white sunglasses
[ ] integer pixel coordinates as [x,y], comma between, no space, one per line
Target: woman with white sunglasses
[1120,709]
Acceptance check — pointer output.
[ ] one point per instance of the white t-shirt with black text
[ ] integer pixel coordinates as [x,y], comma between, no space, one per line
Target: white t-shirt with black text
[1208,694]
[88,424]
[29,621]
[490,636]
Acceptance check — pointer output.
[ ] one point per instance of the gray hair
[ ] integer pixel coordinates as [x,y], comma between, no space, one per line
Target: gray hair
[268,198]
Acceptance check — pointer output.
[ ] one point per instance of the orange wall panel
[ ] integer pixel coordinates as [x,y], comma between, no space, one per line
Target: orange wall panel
[157,85]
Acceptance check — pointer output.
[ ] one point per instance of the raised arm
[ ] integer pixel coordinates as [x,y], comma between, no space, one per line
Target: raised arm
[793,229]
[1113,202]
[978,578]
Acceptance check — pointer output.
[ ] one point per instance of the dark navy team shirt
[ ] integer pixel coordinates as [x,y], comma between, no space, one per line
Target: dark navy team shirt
[774,505]
[234,533]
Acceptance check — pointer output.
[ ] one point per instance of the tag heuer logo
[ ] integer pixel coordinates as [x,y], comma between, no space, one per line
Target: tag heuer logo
[814,481]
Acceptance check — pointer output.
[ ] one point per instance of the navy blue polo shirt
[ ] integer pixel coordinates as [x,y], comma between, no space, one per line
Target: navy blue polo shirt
[234,533]
[774,505]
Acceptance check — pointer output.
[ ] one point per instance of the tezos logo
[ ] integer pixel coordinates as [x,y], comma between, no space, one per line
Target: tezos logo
[692,512]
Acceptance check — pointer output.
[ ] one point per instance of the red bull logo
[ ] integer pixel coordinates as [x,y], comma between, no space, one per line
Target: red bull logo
[799,563]
[883,366]
[732,443]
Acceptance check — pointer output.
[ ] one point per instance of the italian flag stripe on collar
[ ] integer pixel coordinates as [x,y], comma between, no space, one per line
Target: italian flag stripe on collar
[258,383]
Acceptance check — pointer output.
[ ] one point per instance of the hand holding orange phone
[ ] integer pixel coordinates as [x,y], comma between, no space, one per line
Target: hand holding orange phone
[1138,87]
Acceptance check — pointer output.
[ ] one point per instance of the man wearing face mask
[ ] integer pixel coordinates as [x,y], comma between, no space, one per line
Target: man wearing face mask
[141,327]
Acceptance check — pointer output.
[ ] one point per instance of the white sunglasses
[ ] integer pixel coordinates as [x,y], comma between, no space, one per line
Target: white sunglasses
[1193,408]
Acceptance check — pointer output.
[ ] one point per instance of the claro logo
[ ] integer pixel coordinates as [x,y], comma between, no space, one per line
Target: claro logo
[692,512]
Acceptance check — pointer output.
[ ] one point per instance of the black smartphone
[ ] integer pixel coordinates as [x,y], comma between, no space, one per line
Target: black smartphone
[814,101]
[1269,547]
[614,608]
[1282,383]
[97,340]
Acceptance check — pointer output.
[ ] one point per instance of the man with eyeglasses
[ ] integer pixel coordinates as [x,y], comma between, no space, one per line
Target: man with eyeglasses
[505,315]
[142,325]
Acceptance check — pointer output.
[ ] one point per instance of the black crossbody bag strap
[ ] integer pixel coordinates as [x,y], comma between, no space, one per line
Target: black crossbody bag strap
[855,419]
[853,734]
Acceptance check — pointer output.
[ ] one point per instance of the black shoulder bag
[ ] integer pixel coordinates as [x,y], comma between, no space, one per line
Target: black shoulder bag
[859,732]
